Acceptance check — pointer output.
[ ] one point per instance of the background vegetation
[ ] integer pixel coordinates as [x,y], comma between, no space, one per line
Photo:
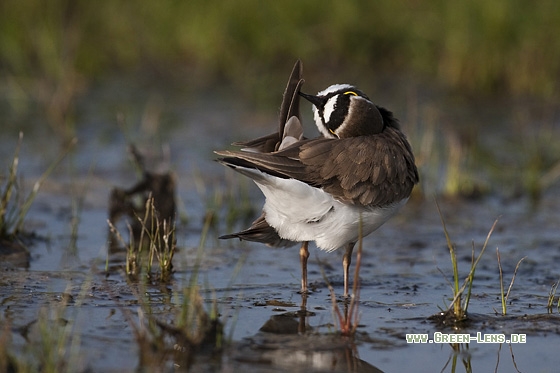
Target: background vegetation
[59,46]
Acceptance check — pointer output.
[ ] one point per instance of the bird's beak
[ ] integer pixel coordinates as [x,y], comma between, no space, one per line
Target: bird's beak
[319,102]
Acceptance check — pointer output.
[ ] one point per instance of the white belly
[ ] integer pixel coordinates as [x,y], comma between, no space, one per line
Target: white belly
[300,212]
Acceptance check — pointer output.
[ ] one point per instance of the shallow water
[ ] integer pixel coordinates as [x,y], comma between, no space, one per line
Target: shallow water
[404,273]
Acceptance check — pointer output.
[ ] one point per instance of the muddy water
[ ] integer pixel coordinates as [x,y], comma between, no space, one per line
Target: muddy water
[404,274]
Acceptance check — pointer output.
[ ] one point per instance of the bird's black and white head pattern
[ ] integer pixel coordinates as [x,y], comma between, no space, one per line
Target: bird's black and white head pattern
[343,111]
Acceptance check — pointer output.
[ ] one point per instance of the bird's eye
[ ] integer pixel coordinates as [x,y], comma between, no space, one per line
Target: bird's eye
[350,93]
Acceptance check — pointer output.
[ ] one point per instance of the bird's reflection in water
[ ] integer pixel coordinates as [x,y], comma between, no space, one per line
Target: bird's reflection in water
[286,341]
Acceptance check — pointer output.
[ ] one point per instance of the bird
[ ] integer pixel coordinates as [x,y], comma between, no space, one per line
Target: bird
[333,189]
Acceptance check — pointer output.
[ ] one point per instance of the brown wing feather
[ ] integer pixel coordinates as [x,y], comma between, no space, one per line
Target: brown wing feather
[260,231]
[370,170]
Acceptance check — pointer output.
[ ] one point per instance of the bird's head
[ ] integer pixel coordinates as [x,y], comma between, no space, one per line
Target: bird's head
[342,111]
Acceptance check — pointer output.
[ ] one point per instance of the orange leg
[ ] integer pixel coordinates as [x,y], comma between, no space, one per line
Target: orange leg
[303,256]
[346,260]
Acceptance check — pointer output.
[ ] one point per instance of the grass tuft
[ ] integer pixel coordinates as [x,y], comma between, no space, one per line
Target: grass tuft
[504,296]
[194,329]
[457,311]
[14,207]
[551,295]
[156,244]
[53,341]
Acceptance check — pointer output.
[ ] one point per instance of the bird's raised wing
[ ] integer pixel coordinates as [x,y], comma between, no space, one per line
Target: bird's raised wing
[288,109]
